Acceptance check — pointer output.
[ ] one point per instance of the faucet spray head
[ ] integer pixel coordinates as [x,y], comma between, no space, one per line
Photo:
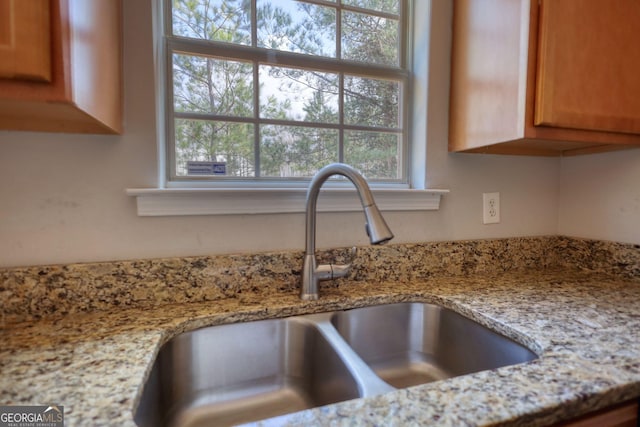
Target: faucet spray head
[377,229]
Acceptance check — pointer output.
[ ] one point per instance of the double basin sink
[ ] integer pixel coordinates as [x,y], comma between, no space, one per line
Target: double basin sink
[238,373]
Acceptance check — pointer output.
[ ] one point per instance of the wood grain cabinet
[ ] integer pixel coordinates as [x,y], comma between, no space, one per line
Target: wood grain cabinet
[625,415]
[25,40]
[545,77]
[61,66]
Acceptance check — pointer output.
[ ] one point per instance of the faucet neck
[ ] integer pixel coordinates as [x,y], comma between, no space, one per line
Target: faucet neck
[366,198]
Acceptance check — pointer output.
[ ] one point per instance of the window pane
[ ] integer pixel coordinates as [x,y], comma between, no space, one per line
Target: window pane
[375,154]
[370,39]
[208,85]
[308,112]
[297,27]
[388,6]
[296,151]
[219,20]
[293,94]
[371,102]
[218,141]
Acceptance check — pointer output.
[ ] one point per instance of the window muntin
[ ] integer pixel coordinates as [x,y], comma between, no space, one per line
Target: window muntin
[250,89]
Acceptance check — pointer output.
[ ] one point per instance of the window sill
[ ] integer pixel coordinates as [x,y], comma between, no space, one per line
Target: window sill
[226,201]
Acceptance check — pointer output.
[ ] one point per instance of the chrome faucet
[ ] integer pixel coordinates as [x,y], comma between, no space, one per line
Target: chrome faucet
[376,228]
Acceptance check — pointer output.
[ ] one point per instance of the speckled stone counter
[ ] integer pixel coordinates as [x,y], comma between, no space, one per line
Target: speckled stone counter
[561,298]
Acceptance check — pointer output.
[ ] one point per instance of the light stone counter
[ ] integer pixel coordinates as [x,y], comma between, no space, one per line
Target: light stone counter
[583,322]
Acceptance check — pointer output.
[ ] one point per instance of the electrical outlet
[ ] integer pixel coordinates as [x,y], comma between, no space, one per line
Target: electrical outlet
[490,208]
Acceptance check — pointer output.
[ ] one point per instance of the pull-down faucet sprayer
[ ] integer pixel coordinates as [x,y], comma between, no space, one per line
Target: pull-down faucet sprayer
[376,228]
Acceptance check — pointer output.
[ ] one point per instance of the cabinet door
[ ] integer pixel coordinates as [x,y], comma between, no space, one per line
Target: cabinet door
[588,65]
[625,415]
[25,40]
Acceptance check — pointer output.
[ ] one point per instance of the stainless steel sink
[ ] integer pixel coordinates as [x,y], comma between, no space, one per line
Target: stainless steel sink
[412,343]
[231,374]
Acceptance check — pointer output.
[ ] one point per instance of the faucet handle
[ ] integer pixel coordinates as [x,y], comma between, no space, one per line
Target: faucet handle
[352,254]
[333,271]
[341,270]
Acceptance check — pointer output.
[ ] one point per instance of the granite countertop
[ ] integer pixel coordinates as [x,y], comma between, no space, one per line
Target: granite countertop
[585,326]
[85,336]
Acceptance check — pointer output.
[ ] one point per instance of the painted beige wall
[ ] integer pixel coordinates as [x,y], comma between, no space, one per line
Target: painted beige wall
[600,196]
[62,197]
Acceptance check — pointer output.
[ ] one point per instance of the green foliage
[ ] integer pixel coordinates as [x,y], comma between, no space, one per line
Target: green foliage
[389,6]
[219,20]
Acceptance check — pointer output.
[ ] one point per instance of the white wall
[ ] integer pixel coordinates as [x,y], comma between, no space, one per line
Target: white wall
[600,196]
[62,197]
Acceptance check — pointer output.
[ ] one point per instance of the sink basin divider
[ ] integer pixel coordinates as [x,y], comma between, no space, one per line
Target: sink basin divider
[369,383]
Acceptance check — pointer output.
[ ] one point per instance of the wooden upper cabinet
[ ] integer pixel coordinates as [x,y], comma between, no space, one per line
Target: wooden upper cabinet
[548,77]
[82,92]
[589,65]
[25,40]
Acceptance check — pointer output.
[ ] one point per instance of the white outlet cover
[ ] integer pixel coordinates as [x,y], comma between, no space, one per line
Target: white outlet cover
[490,208]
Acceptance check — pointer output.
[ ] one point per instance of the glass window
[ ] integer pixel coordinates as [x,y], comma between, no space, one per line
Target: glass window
[277,89]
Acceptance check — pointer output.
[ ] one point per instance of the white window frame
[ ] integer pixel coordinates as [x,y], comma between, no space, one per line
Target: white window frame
[193,197]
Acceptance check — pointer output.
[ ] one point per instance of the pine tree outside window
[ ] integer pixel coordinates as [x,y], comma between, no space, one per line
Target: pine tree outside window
[273,90]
